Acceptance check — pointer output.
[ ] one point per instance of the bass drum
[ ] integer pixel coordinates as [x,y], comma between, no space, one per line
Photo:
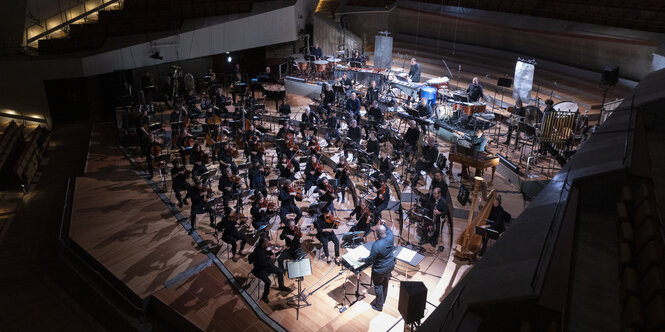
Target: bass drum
[566,106]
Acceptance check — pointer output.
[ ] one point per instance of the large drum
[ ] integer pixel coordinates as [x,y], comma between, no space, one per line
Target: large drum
[302,65]
[439,83]
[321,65]
[429,93]
[566,106]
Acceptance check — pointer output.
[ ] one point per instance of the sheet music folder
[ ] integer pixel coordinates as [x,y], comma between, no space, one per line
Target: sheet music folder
[298,269]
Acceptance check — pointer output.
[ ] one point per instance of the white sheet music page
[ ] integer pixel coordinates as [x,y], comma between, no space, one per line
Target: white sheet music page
[353,256]
[406,255]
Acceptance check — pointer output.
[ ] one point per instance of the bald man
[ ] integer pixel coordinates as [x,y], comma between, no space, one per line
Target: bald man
[475,91]
[382,259]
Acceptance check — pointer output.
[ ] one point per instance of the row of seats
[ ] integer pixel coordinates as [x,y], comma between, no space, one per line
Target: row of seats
[137,17]
[8,141]
[21,156]
[642,259]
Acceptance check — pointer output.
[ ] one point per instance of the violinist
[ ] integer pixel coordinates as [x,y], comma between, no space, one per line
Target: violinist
[257,178]
[324,225]
[285,139]
[231,235]
[229,185]
[257,150]
[373,146]
[185,144]
[313,171]
[327,194]
[199,205]
[199,159]
[313,146]
[259,212]
[332,123]
[249,141]
[293,251]
[342,173]
[362,213]
[179,184]
[308,122]
[288,196]
[288,167]
[264,267]
[382,198]
[426,160]
[225,157]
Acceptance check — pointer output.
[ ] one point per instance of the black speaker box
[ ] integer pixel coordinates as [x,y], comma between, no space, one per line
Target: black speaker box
[412,300]
[610,76]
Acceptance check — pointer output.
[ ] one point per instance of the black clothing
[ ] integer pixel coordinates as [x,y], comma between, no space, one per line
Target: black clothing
[372,95]
[308,122]
[424,111]
[288,205]
[285,109]
[328,98]
[355,134]
[414,73]
[199,206]
[440,205]
[317,52]
[362,221]
[325,234]
[263,268]
[375,114]
[231,234]
[475,92]
[373,147]
[257,180]
[499,218]
[346,83]
[411,136]
[353,107]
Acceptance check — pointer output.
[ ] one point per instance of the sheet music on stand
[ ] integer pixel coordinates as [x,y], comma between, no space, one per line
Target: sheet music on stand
[299,269]
[406,254]
[352,257]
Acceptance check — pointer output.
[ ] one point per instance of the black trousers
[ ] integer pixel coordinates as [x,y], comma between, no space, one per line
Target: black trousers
[289,254]
[327,236]
[290,209]
[232,237]
[264,275]
[177,190]
[199,209]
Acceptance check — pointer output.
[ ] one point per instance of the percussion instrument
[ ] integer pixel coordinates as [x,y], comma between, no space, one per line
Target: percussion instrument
[532,115]
[302,65]
[429,93]
[321,65]
[402,76]
[445,112]
[334,60]
[567,106]
[470,108]
[439,83]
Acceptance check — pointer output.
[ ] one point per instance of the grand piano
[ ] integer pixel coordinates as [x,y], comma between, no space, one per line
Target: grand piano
[468,157]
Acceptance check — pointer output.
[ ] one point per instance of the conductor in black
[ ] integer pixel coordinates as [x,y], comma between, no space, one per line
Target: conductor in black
[383,262]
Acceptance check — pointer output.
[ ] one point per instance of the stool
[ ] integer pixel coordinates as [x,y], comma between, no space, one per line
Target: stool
[251,277]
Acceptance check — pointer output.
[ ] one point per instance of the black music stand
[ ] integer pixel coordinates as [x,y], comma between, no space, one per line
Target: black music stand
[299,270]
[358,296]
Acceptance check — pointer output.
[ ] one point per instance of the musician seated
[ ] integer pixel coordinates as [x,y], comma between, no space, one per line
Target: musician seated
[229,185]
[373,146]
[385,168]
[230,234]
[179,183]
[199,206]
[478,143]
[308,122]
[424,109]
[257,178]
[317,52]
[199,159]
[324,233]
[250,103]
[426,161]
[282,138]
[257,150]
[190,99]
[185,144]
[239,86]
[439,182]
[293,248]
[288,168]
[346,83]
[313,147]
[411,138]
[362,212]
[355,135]
[375,114]
[498,217]
[353,106]
[179,113]
[342,173]
[264,267]
[313,171]
[238,114]
[225,157]
[260,214]
[475,91]
[288,196]
[154,148]
[284,109]
[518,112]
[326,195]
[327,96]
[382,198]
[332,123]
[437,208]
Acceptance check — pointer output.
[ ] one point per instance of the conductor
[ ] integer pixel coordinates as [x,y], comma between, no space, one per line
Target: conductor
[382,259]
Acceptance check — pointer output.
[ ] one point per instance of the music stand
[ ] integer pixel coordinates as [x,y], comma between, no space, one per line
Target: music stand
[299,270]
[412,198]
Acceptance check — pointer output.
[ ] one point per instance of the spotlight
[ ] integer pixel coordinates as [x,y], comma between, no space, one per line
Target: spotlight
[157,56]
[228,59]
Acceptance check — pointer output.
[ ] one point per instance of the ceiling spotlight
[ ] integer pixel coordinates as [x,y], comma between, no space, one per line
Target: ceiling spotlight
[228,59]
[156,56]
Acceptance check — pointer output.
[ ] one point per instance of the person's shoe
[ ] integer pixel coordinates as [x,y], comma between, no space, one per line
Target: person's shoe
[376,308]
[265,299]
[234,259]
[284,289]
[328,260]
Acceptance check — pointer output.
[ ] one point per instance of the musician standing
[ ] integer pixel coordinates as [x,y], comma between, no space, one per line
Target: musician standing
[325,234]
[382,259]
[475,91]
[518,111]
[414,71]
[287,196]
[264,267]
[285,109]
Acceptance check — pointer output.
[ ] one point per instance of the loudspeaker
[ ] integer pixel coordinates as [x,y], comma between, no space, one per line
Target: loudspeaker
[610,76]
[412,300]
[383,51]
[504,82]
